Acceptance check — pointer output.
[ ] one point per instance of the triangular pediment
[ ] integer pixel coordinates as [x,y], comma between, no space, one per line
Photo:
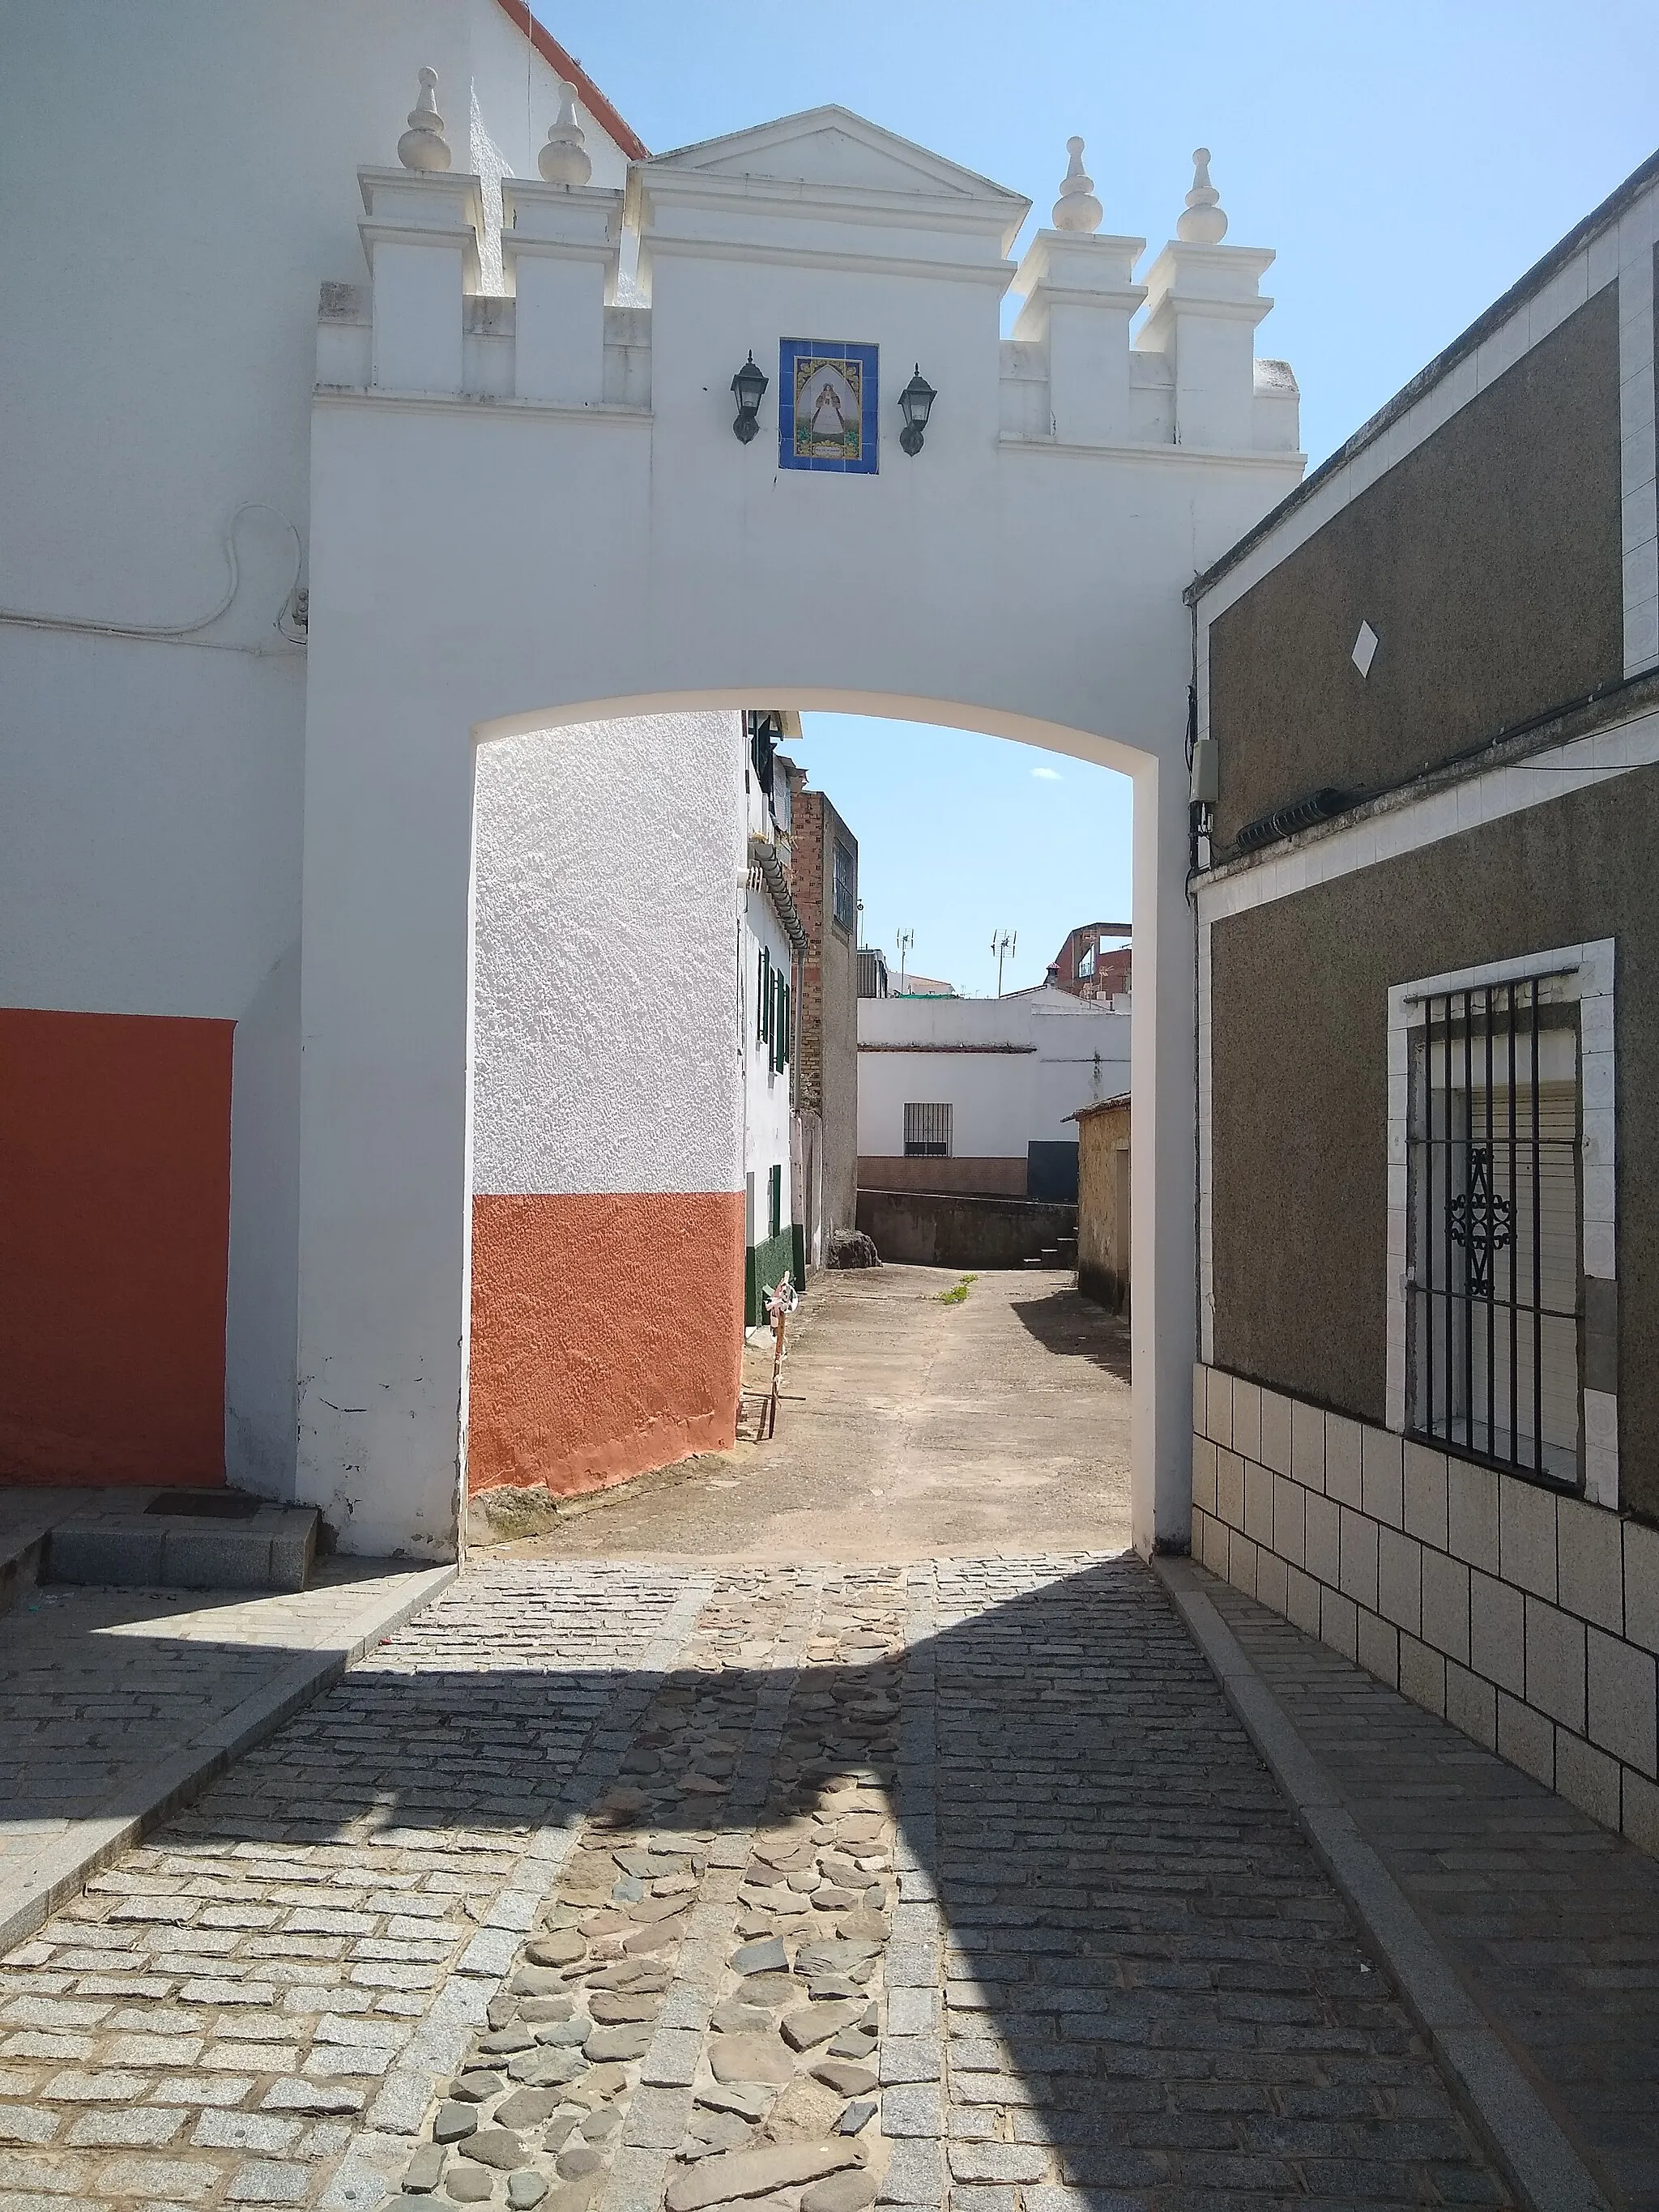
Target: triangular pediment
[832,149]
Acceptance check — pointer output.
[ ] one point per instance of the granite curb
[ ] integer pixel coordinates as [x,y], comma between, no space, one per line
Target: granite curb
[1528,2146]
[29,1900]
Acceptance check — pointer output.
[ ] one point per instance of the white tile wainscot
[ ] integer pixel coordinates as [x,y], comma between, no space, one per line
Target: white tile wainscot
[1527,1617]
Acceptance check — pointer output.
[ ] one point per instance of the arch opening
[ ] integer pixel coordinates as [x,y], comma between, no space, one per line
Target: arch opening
[553,1235]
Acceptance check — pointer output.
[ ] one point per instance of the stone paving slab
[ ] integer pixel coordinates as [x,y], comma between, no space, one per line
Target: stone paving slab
[1550,1921]
[609,1888]
[1154,1996]
[117,1705]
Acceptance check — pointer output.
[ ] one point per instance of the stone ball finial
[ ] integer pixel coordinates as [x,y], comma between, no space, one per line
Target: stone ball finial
[423,145]
[1077,207]
[563,161]
[1202,222]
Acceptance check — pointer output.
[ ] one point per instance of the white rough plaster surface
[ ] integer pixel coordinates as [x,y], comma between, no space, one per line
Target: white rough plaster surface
[605,878]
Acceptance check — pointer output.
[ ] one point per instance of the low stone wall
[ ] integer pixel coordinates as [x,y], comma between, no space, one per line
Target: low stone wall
[926,1229]
[991,1176]
[1528,1619]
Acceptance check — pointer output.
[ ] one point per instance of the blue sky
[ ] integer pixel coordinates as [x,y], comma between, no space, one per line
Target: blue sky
[1407,162]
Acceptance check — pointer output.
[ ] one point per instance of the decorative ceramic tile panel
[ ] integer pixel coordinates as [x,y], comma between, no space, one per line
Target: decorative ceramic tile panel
[827,400]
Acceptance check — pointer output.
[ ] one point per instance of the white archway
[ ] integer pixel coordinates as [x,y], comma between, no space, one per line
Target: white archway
[484,564]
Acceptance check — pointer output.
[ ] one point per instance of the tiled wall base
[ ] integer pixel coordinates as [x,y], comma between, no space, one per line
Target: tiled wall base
[1529,1620]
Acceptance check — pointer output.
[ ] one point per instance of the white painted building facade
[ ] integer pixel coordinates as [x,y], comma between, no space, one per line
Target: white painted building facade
[608,1098]
[518,509]
[1000,1075]
[772,944]
[179,182]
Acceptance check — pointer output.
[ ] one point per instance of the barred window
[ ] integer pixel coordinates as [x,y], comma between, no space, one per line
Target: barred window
[927,1133]
[847,886]
[1495,1226]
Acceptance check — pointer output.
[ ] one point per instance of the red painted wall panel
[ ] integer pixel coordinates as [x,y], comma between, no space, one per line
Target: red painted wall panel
[606,1335]
[114,1233]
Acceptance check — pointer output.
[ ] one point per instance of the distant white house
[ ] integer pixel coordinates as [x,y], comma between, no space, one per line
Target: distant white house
[975,1095]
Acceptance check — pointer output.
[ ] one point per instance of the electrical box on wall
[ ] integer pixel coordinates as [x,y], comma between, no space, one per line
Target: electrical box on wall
[1206,773]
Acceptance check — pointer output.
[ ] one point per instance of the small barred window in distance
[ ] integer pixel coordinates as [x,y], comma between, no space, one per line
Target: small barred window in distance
[927,1133]
[847,887]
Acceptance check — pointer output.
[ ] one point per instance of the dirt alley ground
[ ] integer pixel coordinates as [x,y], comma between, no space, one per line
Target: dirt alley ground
[909,1428]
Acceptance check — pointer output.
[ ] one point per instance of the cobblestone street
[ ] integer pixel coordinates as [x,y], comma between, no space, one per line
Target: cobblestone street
[603,1885]
[936,1883]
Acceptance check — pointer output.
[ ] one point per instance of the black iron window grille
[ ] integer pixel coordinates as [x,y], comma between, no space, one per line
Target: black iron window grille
[846,903]
[765,734]
[1494,1207]
[927,1132]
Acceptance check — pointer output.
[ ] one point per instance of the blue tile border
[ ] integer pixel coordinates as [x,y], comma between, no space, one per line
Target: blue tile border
[792,350]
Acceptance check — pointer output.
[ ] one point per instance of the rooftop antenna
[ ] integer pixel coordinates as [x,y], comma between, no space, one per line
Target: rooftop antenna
[905,938]
[1004,945]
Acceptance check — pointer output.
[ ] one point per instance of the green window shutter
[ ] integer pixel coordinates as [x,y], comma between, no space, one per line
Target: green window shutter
[762,992]
[788,1019]
[775,1196]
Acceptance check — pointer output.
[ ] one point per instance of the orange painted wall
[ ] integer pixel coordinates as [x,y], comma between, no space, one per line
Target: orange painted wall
[606,1335]
[114,1234]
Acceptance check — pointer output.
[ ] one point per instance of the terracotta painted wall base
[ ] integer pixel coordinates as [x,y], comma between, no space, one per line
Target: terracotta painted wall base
[605,1335]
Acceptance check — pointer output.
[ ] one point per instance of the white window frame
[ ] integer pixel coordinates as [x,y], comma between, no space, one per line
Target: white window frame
[1581,974]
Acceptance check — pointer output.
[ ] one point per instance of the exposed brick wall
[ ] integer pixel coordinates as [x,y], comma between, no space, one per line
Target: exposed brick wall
[827,1042]
[812,895]
[1112,970]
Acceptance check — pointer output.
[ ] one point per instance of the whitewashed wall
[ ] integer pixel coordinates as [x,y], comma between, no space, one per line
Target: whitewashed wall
[179,177]
[1002,1101]
[766,1092]
[606,870]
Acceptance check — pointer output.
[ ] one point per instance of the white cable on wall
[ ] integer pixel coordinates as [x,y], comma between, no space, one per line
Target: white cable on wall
[186,633]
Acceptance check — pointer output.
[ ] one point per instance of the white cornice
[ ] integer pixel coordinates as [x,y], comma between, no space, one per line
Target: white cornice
[771,148]
[654,248]
[1210,456]
[448,403]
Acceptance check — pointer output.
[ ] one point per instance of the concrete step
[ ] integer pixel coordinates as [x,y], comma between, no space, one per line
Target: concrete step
[210,1539]
[30,1511]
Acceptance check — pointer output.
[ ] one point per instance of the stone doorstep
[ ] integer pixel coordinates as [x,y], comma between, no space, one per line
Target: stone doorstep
[273,1549]
[28,1514]
[21,1556]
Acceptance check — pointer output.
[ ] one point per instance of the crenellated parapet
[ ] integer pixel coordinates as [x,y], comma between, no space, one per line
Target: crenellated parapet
[421,326]
[1189,377]
[738,245]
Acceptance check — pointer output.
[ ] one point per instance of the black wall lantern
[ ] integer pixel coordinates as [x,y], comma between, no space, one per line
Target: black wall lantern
[748,386]
[916,404]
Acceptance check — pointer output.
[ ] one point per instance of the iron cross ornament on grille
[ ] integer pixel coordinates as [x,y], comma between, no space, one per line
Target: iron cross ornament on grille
[1480,1222]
